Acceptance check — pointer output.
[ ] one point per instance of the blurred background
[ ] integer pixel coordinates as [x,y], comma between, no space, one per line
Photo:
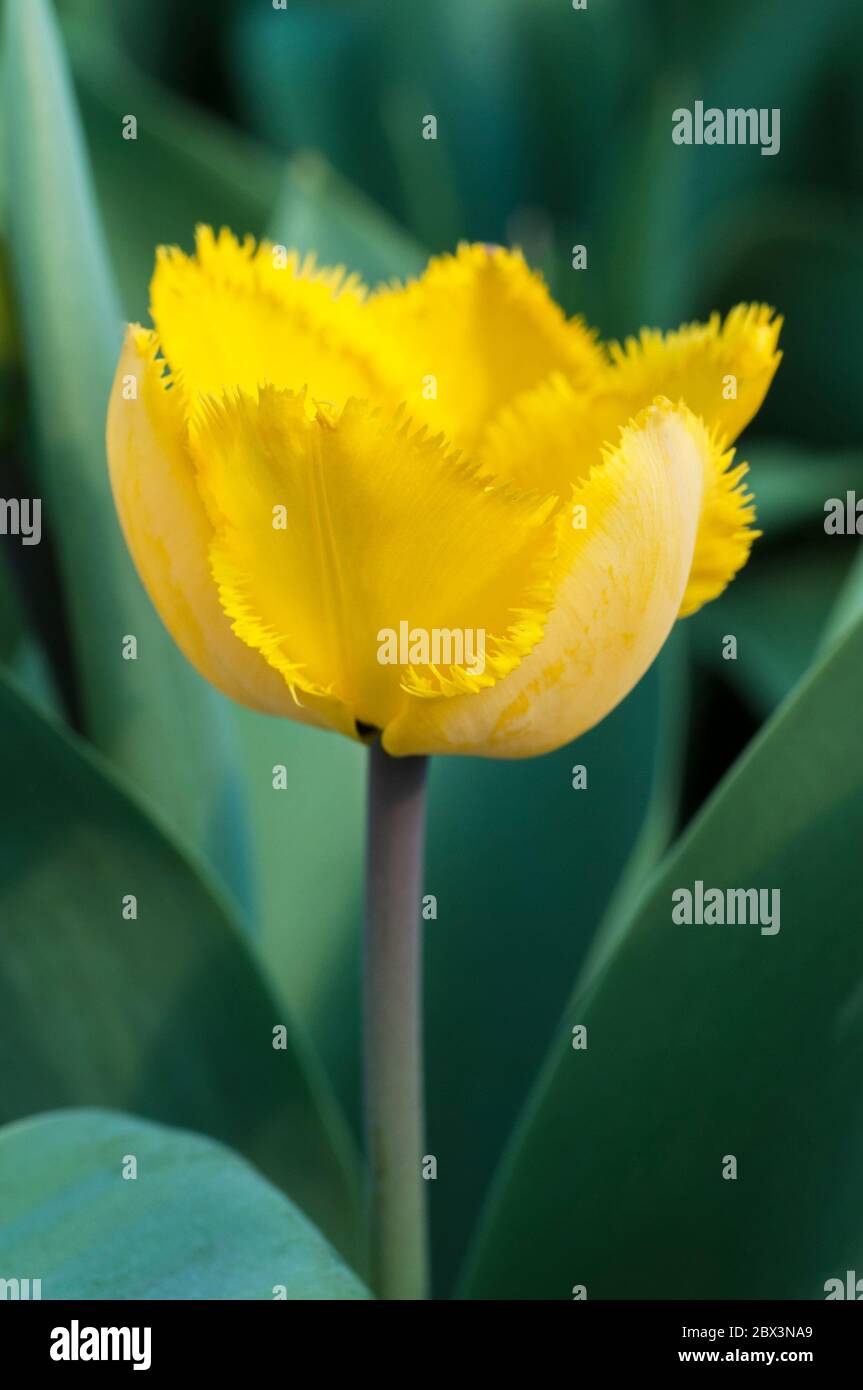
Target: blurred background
[554,129]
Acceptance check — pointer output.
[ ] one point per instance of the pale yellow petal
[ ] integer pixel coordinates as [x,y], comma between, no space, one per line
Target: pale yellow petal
[621,582]
[168,532]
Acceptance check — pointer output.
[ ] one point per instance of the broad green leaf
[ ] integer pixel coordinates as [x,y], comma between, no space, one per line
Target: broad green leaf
[712,1041]
[665,800]
[522,866]
[151,1003]
[308,845]
[153,716]
[849,605]
[190,1220]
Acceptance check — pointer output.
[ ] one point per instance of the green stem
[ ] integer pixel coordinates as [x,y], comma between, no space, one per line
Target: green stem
[393,1025]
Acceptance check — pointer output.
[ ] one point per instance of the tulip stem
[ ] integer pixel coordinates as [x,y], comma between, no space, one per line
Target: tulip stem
[393,1025]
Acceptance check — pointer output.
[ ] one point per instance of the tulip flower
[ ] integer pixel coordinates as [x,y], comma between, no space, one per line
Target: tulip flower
[436,518]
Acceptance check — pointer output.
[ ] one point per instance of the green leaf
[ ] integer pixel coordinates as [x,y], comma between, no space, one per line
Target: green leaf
[153,717]
[164,1013]
[317,210]
[777,609]
[186,166]
[308,846]
[792,483]
[523,867]
[644,203]
[708,1041]
[22,656]
[269,55]
[800,250]
[849,605]
[195,1221]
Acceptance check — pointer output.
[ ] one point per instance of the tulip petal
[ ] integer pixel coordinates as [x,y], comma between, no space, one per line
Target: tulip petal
[238,315]
[475,330]
[168,531]
[621,582]
[553,436]
[722,369]
[332,532]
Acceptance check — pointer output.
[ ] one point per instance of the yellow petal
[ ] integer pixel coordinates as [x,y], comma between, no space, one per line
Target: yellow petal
[553,436]
[383,527]
[236,315]
[721,369]
[725,529]
[549,437]
[168,532]
[621,582]
[474,331]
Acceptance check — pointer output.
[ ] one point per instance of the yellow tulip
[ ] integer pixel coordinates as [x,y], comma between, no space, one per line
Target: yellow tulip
[307,474]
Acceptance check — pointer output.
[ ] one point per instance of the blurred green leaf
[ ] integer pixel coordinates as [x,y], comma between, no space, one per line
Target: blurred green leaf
[779,606]
[154,716]
[185,166]
[21,654]
[165,1014]
[777,610]
[317,210]
[849,606]
[710,1041]
[758,54]
[195,1222]
[791,484]
[644,205]
[800,250]
[462,64]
